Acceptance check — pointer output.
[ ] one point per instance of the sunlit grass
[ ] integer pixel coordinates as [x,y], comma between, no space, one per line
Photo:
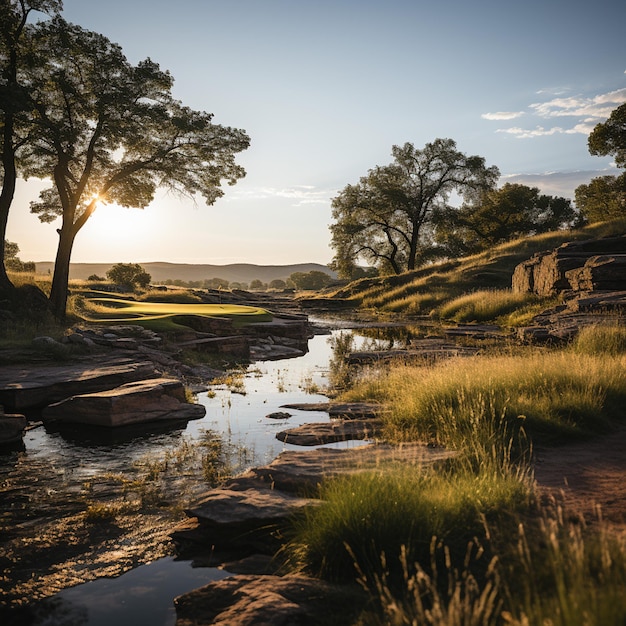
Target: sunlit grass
[555,395]
[485,306]
[607,339]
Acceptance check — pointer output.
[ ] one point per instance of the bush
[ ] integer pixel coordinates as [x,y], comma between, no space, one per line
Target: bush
[129,275]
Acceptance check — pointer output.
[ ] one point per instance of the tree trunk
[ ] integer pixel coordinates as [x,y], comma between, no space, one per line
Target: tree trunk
[7,193]
[61,276]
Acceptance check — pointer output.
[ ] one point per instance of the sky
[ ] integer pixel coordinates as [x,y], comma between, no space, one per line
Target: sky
[325,88]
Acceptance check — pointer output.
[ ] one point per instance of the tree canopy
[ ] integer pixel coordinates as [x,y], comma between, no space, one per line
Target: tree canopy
[499,215]
[388,217]
[609,138]
[315,279]
[14,107]
[107,131]
[604,197]
[129,275]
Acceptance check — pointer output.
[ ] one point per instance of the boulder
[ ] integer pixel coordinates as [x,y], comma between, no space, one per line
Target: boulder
[247,600]
[248,520]
[344,410]
[152,400]
[11,429]
[234,345]
[25,387]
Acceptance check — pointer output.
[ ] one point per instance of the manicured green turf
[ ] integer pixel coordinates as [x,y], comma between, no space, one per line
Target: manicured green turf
[117,310]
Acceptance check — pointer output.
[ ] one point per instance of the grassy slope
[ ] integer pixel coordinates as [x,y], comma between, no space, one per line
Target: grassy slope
[424,290]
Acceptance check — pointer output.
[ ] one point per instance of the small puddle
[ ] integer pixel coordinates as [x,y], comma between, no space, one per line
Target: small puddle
[58,464]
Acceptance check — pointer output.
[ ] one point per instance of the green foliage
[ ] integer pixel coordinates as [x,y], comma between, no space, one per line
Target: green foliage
[376,522]
[11,261]
[312,280]
[129,275]
[609,138]
[604,198]
[499,215]
[387,218]
[277,284]
[258,285]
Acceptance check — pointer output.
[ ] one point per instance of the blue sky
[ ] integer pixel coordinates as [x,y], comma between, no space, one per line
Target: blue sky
[326,88]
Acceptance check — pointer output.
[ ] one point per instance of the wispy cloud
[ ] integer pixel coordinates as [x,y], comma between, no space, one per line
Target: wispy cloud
[598,107]
[299,194]
[589,111]
[502,115]
[557,183]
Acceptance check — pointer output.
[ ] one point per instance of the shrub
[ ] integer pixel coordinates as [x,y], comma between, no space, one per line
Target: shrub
[129,275]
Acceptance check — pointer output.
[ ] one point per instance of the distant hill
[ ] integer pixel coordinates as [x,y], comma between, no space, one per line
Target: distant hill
[236,272]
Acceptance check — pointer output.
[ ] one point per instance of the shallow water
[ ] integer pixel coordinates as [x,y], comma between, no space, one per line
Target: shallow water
[59,462]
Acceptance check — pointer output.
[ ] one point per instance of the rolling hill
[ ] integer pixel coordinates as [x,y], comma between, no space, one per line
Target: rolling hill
[161,271]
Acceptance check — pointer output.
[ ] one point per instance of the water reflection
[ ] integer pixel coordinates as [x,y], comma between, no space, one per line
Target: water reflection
[62,465]
[142,596]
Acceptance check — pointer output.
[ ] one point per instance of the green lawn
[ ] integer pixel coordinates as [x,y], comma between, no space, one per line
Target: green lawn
[117,310]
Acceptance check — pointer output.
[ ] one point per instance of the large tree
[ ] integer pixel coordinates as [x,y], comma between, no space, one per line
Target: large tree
[14,118]
[499,215]
[387,218]
[111,132]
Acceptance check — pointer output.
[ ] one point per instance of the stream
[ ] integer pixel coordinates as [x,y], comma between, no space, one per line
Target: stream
[60,465]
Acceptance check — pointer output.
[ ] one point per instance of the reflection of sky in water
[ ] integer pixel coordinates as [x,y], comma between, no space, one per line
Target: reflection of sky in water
[142,596]
[145,595]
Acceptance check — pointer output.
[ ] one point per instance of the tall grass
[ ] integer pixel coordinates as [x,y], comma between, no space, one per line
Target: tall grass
[607,339]
[555,395]
[553,573]
[485,305]
[371,522]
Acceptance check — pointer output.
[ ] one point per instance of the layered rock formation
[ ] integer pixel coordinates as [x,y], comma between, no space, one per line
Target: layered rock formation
[596,264]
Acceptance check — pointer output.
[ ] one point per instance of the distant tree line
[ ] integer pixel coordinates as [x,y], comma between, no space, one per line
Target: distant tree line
[133,276]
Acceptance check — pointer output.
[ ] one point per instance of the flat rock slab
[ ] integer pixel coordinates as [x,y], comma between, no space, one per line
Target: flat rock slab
[298,470]
[330,432]
[30,386]
[347,410]
[263,600]
[247,509]
[246,521]
[152,400]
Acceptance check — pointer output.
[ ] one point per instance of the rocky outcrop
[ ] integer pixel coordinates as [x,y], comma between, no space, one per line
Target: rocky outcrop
[548,273]
[264,600]
[138,402]
[27,387]
[599,273]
